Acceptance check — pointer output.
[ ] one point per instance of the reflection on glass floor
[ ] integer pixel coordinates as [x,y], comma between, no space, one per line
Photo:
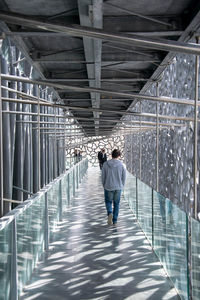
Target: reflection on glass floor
[89,260]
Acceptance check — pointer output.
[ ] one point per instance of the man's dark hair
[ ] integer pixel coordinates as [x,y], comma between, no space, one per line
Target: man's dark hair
[116,153]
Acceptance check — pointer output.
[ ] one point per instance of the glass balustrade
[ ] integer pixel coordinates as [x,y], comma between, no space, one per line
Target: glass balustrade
[25,233]
[6,250]
[166,227]
[195,250]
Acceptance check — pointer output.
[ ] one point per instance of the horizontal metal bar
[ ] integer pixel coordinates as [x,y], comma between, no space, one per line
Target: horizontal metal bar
[60,34]
[86,109]
[81,31]
[34,114]
[59,80]
[56,128]
[27,101]
[12,201]
[103,91]
[81,118]
[160,33]
[22,190]
[24,95]
[101,99]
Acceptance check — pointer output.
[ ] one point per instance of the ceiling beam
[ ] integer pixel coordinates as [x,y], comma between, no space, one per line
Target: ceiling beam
[81,31]
[91,15]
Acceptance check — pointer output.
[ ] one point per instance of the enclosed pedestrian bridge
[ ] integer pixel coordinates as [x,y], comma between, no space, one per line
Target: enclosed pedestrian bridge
[78,76]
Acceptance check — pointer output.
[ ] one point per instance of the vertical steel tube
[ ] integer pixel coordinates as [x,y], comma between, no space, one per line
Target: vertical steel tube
[196,132]
[27,149]
[7,170]
[157,139]
[46,229]
[68,187]
[38,119]
[74,182]
[55,147]
[13,107]
[140,145]
[60,201]
[35,142]
[77,175]
[1,150]
[131,149]
[42,148]
[46,150]
[19,151]
[65,149]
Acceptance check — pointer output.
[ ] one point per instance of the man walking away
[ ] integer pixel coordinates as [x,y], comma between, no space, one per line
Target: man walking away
[102,157]
[113,180]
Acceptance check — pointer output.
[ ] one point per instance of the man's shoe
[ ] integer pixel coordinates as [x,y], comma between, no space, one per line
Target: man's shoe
[115,224]
[110,217]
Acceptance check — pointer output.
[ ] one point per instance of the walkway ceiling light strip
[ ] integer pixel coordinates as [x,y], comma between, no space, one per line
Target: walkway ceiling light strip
[81,31]
[99,90]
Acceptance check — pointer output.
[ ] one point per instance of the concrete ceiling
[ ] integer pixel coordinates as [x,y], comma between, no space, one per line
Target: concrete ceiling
[103,64]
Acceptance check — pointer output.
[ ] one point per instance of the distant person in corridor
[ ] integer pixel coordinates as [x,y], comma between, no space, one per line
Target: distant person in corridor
[102,157]
[113,180]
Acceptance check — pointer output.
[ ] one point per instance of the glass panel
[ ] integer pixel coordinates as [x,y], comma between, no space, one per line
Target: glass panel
[130,192]
[71,184]
[30,239]
[195,259]
[64,192]
[145,208]
[170,241]
[53,208]
[6,236]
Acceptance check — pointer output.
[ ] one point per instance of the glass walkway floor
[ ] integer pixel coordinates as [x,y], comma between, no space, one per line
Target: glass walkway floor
[89,260]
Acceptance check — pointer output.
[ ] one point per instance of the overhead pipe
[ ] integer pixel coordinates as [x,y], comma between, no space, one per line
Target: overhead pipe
[82,31]
[99,90]
[81,118]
